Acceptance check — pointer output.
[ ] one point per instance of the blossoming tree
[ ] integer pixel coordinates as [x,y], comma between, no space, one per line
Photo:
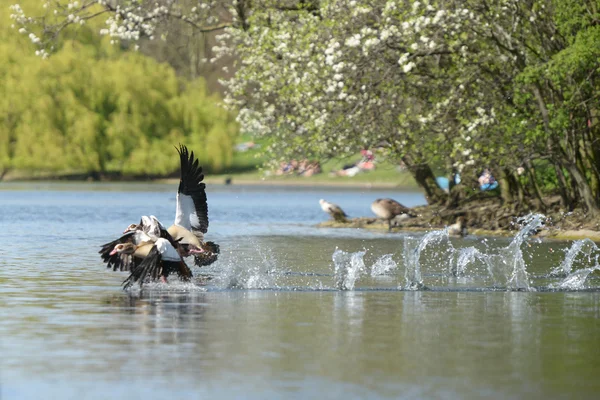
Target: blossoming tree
[439,85]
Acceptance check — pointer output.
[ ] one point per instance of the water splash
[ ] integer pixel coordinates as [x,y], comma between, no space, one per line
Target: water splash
[383,265]
[519,278]
[585,246]
[464,257]
[348,268]
[255,271]
[575,280]
[507,268]
[412,254]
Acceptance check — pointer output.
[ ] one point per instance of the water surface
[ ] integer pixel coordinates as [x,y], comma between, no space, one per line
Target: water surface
[272,321]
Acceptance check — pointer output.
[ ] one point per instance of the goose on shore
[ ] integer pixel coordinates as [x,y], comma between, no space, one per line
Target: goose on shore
[388,209]
[334,210]
[459,228]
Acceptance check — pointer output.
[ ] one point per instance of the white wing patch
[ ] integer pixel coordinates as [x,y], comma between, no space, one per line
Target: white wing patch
[167,252]
[141,236]
[185,215]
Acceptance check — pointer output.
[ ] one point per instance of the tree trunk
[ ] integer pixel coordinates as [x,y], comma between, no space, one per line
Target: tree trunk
[468,184]
[424,177]
[510,188]
[563,188]
[583,189]
[536,189]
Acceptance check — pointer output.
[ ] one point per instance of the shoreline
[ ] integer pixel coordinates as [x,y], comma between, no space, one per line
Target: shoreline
[546,233]
[430,218]
[221,180]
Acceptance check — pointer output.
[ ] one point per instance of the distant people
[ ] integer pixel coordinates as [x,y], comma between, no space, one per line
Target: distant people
[368,160]
[303,168]
[242,147]
[487,180]
[310,168]
[348,170]
[366,163]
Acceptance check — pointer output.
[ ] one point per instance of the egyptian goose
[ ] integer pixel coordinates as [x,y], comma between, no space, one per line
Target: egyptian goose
[388,209]
[334,210]
[459,228]
[160,260]
[139,236]
[123,262]
[191,214]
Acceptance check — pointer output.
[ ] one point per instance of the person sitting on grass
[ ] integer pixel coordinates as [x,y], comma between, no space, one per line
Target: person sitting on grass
[487,180]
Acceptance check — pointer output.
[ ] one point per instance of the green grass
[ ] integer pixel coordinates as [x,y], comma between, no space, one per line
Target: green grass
[247,168]
[247,165]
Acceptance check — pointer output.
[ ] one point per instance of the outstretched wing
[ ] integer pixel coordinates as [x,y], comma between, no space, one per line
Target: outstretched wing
[149,267]
[118,261]
[192,209]
[162,260]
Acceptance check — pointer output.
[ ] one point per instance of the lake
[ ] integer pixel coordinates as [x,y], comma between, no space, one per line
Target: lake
[289,310]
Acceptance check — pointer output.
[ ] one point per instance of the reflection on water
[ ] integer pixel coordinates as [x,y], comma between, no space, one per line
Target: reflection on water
[271,320]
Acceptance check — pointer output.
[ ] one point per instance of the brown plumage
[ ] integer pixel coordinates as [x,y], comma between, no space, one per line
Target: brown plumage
[459,228]
[388,209]
[160,260]
[123,260]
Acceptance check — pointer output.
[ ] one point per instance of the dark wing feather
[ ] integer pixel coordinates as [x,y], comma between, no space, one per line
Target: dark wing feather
[191,185]
[117,261]
[209,256]
[179,267]
[149,267]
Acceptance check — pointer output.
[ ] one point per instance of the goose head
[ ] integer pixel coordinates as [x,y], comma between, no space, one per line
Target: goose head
[132,227]
[123,248]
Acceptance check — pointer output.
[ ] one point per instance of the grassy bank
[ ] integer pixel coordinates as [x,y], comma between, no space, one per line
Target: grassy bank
[246,169]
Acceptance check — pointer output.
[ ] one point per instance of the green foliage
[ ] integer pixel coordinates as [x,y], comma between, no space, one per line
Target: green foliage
[95,108]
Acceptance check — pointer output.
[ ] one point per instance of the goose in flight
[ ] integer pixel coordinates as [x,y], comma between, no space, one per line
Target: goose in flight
[150,239]
[117,254]
[388,209]
[160,259]
[334,210]
[191,213]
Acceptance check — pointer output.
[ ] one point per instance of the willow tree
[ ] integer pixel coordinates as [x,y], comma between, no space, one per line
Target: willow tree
[97,108]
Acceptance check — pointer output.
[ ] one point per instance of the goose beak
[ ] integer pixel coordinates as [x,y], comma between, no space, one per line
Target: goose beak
[113,252]
[195,251]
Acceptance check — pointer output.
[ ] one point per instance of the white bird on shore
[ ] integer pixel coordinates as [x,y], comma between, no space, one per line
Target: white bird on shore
[334,210]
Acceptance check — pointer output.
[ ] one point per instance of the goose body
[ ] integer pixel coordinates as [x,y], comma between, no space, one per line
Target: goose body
[459,228]
[388,209]
[161,260]
[334,210]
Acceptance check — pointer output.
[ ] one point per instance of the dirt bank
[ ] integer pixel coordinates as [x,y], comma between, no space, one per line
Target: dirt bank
[487,217]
